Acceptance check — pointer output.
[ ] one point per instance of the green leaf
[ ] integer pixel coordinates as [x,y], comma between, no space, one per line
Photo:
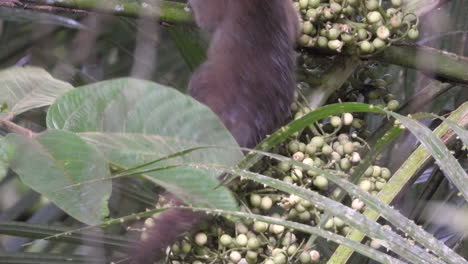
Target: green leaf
[446,161]
[51,232]
[196,186]
[24,15]
[58,159]
[23,89]
[153,121]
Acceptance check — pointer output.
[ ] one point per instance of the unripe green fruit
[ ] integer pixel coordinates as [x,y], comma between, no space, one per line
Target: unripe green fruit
[305,216]
[197,262]
[269,261]
[304,258]
[242,240]
[318,141]
[391,11]
[335,7]
[308,161]
[284,166]
[318,162]
[311,149]
[327,150]
[314,3]
[329,224]
[374,17]
[372,4]
[251,256]
[335,156]
[260,227]
[348,147]
[328,14]
[322,42]
[293,146]
[288,239]
[366,185]
[396,21]
[378,43]
[321,182]
[302,146]
[385,174]
[186,247]
[365,46]
[335,121]
[304,40]
[225,240]
[376,172]
[201,239]
[362,34]
[340,149]
[393,105]
[303,3]
[379,185]
[255,200]
[280,259]
[335,45]
[292,250]
[306,203]
[277,229]
[369,171]
[333,33]
[347,38]
[353,2]
[312,14]
[397,3]
[235,256]
[345,164]
[253,243]
[266,203]
[176,249]
[288,179]
[308,28]
[299,208]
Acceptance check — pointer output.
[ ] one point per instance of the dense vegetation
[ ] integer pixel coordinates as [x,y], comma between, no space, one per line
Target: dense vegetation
[94,121]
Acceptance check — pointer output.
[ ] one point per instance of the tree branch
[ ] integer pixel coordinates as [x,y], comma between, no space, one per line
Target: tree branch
[440,64]
[12,127]
[169,11]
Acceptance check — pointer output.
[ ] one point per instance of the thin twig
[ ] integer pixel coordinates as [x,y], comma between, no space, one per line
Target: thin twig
[12,127]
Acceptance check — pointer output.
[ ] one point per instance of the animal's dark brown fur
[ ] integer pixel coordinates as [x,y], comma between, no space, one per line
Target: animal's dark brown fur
[247,80]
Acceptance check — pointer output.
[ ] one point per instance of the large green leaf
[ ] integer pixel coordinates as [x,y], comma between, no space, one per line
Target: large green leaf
[153,121]
[191,185]
[54,163]
[22,89]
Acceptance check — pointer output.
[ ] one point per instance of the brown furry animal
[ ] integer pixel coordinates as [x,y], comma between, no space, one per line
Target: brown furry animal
[247,80]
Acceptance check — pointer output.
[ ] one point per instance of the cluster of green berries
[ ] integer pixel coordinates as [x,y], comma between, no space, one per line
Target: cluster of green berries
[355,26]
[333,144]
[247,242]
